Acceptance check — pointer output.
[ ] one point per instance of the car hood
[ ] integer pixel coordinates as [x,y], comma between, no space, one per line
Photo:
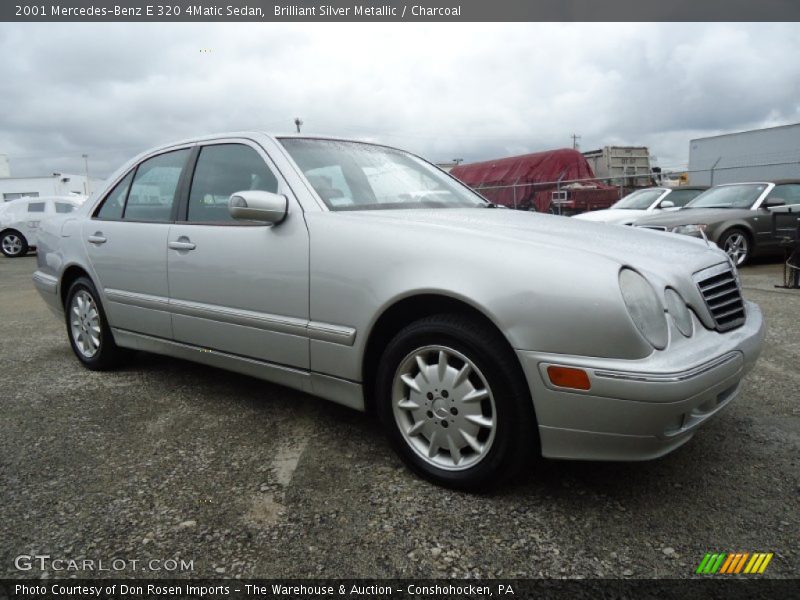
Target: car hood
[613,215]
[691,216]
[624,245]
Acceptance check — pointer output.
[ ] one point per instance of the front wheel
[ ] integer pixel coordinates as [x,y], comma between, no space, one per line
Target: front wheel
[736,245]
[454,402]
[13,244]
[87,327]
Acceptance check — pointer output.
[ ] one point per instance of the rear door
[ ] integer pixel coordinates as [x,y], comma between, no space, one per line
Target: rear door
[239,287]
[126,241]
[32,220]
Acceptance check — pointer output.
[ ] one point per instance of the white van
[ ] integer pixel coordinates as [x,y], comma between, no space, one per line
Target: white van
[21,219]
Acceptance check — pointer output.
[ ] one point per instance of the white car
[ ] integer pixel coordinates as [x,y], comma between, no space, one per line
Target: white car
[644,202]
[21,219]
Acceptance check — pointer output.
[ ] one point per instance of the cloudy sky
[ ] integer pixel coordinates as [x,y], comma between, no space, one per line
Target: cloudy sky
[446,91]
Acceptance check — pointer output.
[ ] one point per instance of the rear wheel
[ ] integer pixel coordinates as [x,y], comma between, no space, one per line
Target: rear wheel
[736,244]
[13,244]
[454,403]
[87,328]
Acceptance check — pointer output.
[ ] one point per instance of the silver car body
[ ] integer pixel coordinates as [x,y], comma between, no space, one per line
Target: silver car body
[298,303]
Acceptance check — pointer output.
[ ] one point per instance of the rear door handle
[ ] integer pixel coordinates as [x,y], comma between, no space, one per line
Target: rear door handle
[182,244]
[97,239]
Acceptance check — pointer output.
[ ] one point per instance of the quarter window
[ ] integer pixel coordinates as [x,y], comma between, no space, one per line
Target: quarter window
[64,207]
[223,170]
[114,203]
[153,189]
[35,207]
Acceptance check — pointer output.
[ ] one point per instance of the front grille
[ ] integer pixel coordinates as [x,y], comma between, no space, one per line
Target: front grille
[720,290]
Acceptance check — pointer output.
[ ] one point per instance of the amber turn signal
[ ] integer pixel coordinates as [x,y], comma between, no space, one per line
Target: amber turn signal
[568,377]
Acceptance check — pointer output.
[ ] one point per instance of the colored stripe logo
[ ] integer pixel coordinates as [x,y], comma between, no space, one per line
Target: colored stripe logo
[734,563]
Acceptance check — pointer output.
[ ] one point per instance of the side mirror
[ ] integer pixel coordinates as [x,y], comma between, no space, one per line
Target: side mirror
[771,202]
[256,205]
[667,204]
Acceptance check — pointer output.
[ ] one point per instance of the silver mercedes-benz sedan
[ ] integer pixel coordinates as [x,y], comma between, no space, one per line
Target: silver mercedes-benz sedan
[365,275]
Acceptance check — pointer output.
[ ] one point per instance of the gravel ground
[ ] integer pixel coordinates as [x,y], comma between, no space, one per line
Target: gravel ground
[169,460]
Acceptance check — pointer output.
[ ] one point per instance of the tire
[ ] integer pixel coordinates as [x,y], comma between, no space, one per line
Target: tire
[737,245]
[87,328]
[461,429]
[13,244]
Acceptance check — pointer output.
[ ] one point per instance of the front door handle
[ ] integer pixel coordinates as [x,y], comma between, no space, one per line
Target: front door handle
[182,243]
[97,239]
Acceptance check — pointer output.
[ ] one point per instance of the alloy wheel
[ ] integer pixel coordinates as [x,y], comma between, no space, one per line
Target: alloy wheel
[444,408]
[737,247]
[85,323]
[12,244]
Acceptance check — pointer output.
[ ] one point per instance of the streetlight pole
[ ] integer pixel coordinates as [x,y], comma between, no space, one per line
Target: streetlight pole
[86,166]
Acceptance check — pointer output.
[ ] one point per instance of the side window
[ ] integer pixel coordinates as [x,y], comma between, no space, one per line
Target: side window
[788,192]
[221,171]
[64,207]
[153,189]
[114,203]
[36,207]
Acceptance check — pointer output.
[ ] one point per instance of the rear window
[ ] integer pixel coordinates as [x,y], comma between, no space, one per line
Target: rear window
[64,207]
[36,207]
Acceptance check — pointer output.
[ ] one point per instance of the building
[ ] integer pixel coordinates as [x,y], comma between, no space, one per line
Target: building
[627,166]
[757,155]
[5,169]
[57,184]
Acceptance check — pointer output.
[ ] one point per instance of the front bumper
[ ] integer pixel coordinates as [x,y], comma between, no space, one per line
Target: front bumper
[642,409]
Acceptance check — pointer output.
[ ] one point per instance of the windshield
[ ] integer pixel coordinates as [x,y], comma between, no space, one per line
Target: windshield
[729,196]
[355,176]
[681,198]
[640,200]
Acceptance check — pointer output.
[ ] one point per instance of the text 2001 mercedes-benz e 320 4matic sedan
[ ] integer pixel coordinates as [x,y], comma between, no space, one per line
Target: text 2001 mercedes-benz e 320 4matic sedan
[364,275]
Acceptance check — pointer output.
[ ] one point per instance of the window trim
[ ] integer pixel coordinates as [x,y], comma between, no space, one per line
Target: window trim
[134,170]
[182,217]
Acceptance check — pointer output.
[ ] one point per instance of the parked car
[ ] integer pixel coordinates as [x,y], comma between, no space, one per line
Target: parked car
[479,336]
[735,216]
[21,219]
[644,202]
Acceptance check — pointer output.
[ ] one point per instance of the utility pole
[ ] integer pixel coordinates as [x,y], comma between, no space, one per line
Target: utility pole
[86,165]
[575,139]
[298,123]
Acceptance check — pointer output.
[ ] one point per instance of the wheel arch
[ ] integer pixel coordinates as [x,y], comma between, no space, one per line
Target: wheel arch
[412,308]
[70,274]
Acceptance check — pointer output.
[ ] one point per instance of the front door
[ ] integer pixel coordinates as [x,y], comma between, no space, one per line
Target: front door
[237,287]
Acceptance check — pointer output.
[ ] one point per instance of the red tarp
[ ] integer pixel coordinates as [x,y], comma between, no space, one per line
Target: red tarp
[533,177]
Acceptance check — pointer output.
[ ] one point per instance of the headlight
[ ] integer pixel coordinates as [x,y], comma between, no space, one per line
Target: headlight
[644,307]
[689,229]
[679,311]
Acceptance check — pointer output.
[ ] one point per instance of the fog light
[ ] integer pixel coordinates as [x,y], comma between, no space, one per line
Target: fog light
[568,377]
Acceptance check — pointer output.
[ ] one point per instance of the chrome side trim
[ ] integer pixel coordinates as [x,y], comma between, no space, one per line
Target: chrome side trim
[336,334]
[247,318]
[315,330]
[669,377]
[45,282]
[136,299]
